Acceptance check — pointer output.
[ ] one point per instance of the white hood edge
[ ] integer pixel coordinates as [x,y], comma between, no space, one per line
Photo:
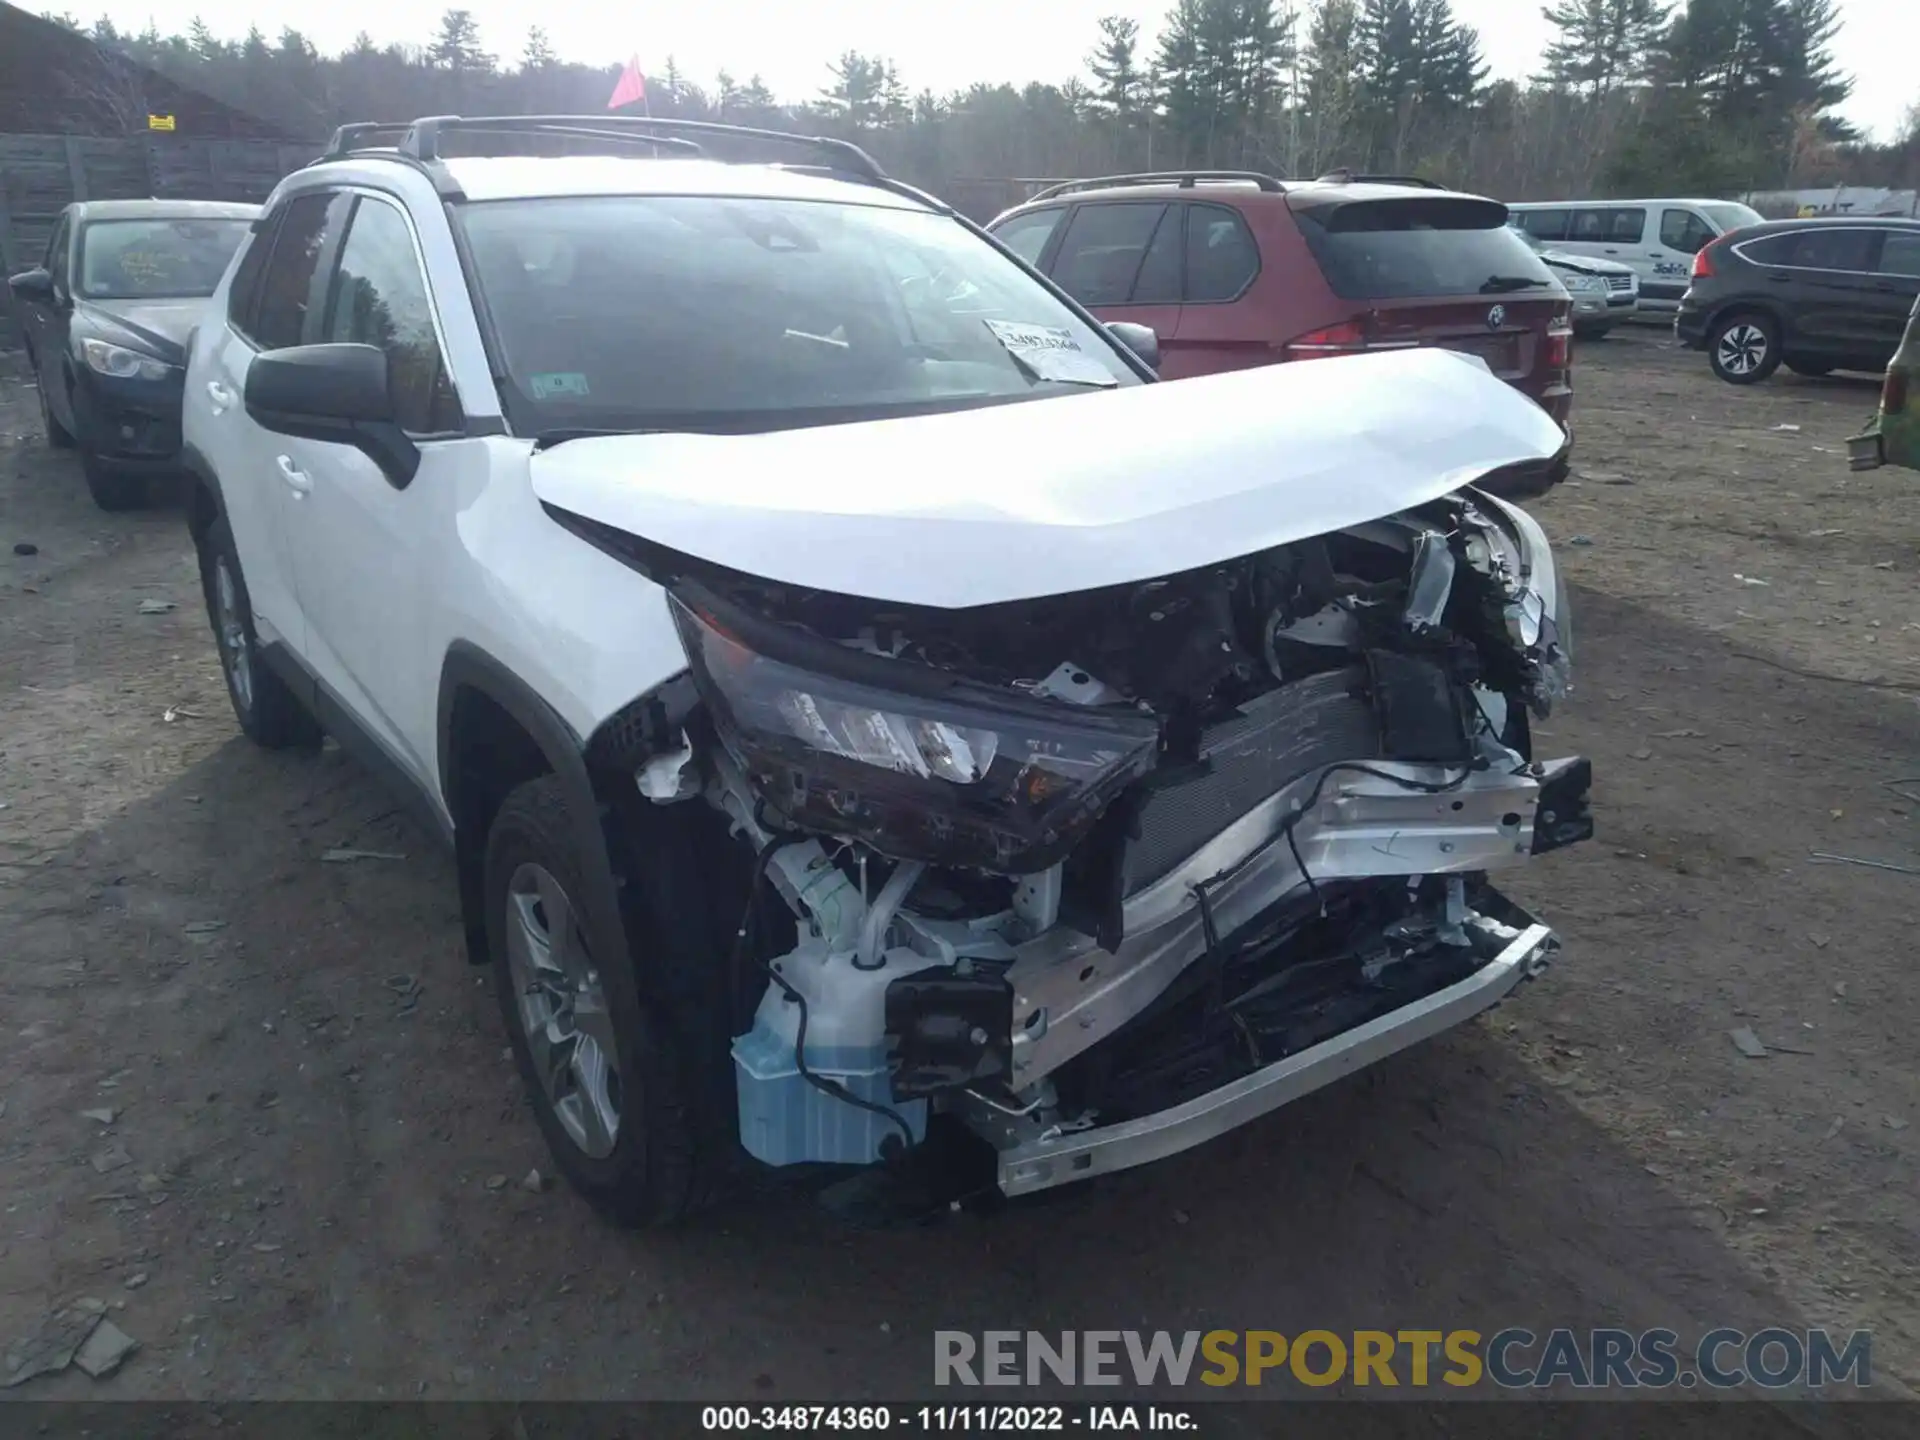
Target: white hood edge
[1013,502]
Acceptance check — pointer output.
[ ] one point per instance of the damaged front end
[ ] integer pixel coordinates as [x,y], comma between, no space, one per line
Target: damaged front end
[1100,875]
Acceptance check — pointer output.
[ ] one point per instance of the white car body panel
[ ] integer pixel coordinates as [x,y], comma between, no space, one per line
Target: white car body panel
[1023,500]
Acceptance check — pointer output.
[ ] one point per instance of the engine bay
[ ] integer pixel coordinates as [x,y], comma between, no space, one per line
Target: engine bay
[1086,856]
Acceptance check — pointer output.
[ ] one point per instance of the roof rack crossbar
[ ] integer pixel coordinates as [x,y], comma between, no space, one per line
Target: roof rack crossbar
[422,139]
[362,136]
[1185,179]
[583,132]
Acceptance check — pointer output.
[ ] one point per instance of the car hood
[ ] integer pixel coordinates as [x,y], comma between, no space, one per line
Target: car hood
[1018,501]
[159,327]
[1583,264]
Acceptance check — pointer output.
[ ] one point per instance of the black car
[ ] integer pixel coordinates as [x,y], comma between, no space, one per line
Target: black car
[106,319]
[1815,295]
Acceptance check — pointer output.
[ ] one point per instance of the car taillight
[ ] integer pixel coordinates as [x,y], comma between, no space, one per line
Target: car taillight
[1346,338]
[1703,263]
[1893,394]
[1559,345]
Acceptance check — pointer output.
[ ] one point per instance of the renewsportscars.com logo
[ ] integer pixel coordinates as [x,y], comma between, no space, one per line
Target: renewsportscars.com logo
[1515,1358]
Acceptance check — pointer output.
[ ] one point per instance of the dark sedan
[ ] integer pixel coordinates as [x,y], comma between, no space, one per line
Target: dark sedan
[1831,293]
[107,316]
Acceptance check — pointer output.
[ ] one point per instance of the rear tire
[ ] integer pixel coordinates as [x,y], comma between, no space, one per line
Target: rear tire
[270,714]
[1591,332]
[1812,369]
[1744,349]
[619,1126]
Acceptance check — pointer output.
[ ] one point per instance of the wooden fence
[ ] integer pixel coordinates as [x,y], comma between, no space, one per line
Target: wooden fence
[41,174]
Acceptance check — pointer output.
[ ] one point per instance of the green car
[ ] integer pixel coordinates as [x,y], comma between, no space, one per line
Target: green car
[1894,436]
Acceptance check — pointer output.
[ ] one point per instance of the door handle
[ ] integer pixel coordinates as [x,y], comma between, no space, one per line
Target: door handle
[220,395]
[297,479]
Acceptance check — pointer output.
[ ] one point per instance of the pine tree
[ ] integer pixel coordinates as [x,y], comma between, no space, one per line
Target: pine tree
[1115,65]
[206,47]
[1451,70]
[1602,44]
[457,47]
[536,54]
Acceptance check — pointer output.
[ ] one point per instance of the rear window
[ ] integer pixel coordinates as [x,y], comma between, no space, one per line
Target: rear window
[1421,246]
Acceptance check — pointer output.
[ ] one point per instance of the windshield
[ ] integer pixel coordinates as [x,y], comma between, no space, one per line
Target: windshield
[156,259]
[697,312]
[1537,246]
[1421,246]
[1729,215]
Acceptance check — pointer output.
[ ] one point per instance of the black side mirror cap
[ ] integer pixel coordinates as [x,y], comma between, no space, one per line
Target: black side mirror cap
[1140,339]
[340,394]
[34,284]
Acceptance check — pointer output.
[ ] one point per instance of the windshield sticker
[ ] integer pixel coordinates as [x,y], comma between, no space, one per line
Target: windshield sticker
[549,383]
[1050,353]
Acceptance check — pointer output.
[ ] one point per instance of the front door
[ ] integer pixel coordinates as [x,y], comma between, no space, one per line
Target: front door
[1896,286]
[46,323]
[1121,259]
[358,535]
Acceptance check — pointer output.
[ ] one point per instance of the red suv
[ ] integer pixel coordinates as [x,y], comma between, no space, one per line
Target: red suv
[1233,269]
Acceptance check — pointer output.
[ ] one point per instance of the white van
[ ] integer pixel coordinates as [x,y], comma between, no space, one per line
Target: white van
[1657,238]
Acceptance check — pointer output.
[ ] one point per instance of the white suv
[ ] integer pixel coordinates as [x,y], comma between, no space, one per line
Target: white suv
[847,757]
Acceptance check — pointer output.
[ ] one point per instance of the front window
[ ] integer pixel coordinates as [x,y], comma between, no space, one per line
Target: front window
[156,259]
[696,312]
[1729,215]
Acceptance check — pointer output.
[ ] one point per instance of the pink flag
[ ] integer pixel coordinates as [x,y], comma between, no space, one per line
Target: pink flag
[632,89]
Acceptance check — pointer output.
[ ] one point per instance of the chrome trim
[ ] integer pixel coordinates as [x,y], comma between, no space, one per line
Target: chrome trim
[1058,1156]
[1069,994]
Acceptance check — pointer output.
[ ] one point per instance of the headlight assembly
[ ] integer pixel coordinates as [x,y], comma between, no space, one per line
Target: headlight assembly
[122,363]
[917,762]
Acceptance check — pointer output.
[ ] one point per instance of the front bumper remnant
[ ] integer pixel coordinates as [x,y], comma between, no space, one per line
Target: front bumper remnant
[1058,1156]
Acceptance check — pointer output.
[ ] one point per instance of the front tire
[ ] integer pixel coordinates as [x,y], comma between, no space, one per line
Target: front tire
[112,489]
[603,1077]
[1744,349]
[270,714]
[58,437]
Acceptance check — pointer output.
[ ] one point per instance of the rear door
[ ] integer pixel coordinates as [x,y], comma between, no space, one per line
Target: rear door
[1121,259]
[1830,289]
[1220,260]
[272,306]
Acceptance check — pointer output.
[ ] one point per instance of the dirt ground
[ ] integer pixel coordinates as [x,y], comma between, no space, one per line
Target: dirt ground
[312,1185]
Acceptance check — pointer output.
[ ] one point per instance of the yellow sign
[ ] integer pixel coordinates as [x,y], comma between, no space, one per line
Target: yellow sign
[160,122]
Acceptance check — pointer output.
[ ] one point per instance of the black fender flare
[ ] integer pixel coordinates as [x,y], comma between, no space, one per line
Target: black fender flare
[201,470]
[468,667]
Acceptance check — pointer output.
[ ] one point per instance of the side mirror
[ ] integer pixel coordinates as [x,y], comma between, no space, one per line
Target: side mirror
[1140,339]
[34,284]
[335,393]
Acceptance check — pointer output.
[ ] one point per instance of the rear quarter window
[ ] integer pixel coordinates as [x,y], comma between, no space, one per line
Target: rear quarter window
[1420,246]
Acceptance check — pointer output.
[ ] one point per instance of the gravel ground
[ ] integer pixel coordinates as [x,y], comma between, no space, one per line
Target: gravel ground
[314,1186]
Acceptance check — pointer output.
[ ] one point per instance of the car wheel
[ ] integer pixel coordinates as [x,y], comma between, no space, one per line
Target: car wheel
[112,489]
[270,714]
[603,1076]
[1744,349]
[1591,332]
[58,437]
[1812,369]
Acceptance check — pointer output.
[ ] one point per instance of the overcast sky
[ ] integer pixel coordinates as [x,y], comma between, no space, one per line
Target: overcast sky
[943,47]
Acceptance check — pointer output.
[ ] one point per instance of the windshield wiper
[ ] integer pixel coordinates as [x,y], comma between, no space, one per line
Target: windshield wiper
[547,439]
[1503,284]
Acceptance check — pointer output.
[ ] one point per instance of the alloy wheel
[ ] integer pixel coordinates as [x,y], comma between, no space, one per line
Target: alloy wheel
[1742,348]
[563,1010]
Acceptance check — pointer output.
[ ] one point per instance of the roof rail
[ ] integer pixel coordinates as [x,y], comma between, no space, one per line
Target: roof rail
[422,138]
[1344,176]
[1185,179]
